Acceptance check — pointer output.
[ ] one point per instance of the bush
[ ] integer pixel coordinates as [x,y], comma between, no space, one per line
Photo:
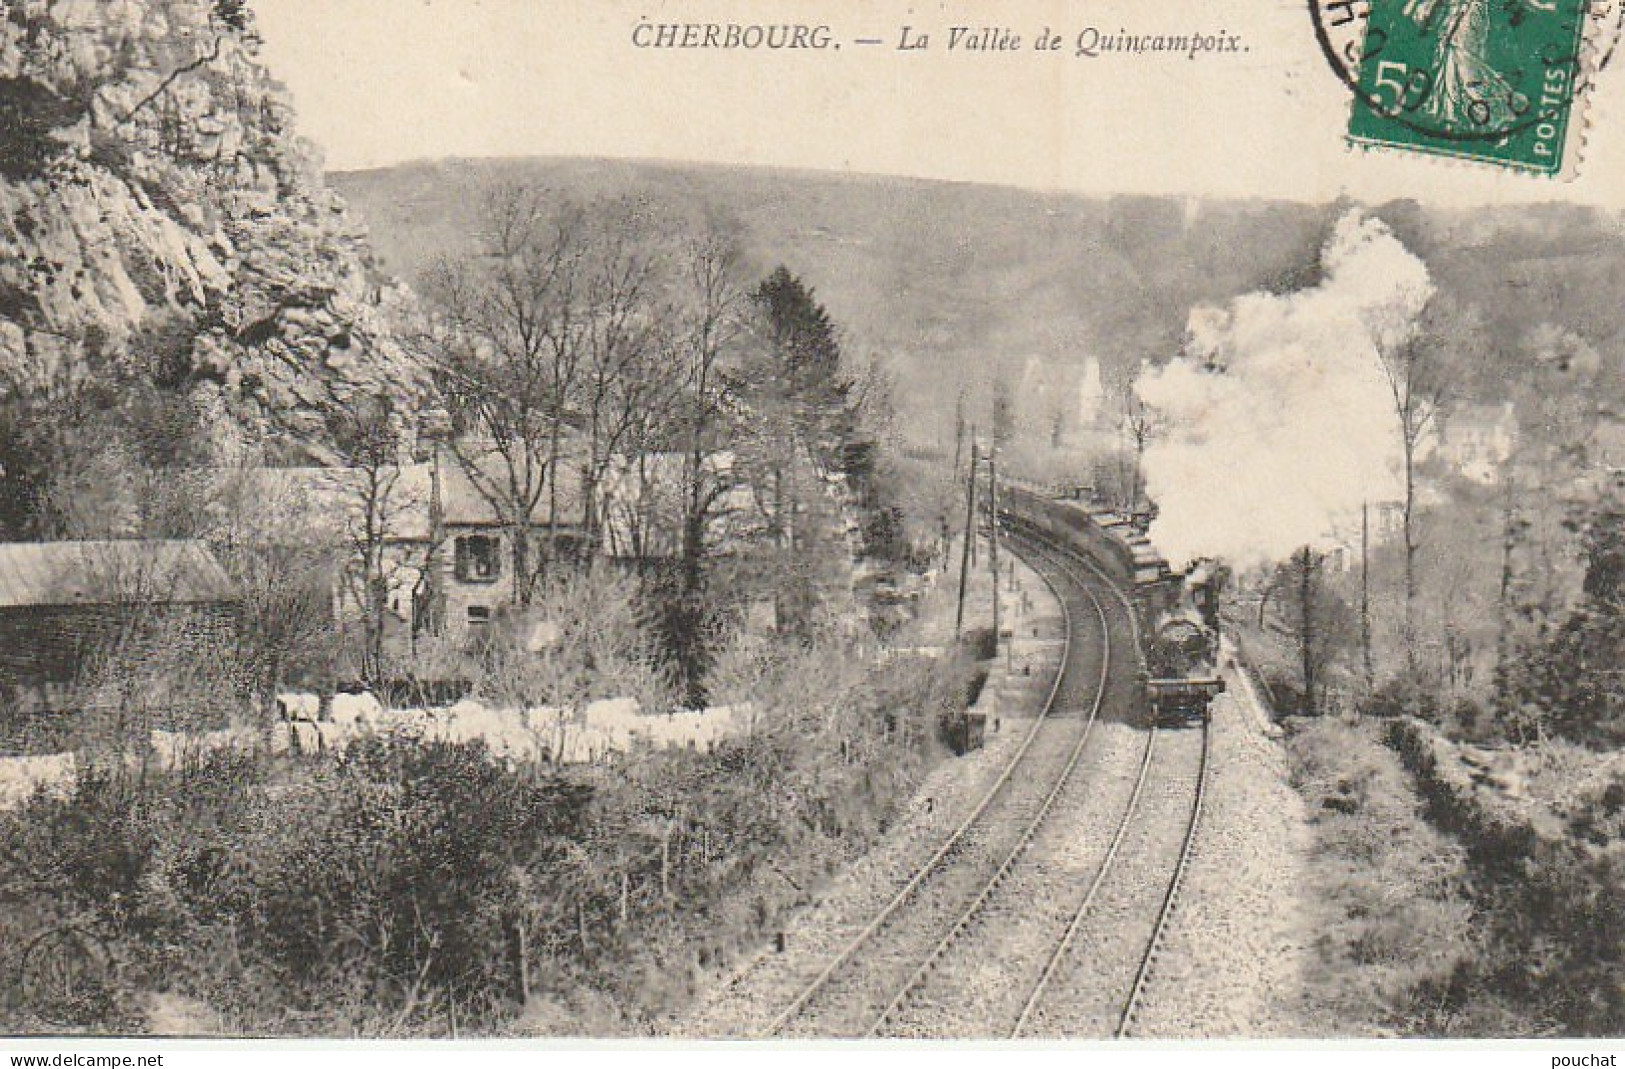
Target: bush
[411,884]
[1549,911]
[401,886]
[1402,696]
[1385,885]
[981,643]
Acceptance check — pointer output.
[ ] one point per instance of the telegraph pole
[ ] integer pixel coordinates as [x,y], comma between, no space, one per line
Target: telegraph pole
[970,536]
[1365,590]
[993,535]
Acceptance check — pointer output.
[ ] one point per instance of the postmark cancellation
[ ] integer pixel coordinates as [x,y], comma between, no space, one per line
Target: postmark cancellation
[1498,82]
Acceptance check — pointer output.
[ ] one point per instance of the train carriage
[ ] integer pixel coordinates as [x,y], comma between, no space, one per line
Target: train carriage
[1177,612]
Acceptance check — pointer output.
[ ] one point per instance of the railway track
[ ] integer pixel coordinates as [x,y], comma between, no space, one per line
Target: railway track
[1099,972]
[851,995]
[1124,830]
[968,945]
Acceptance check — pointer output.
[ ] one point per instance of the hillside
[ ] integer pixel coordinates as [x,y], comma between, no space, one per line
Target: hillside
[949,283]
[953,284]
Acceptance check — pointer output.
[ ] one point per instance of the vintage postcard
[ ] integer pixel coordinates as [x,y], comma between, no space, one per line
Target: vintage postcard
[802,520]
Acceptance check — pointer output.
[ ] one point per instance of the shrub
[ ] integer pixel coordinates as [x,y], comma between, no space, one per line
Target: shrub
[1402,696]
[386,890]
[408,888]
[1386,885]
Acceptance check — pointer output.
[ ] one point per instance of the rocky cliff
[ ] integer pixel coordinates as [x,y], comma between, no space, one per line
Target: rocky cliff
[161,223]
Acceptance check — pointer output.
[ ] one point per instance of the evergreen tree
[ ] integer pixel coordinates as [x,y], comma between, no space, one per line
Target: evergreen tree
[801,364]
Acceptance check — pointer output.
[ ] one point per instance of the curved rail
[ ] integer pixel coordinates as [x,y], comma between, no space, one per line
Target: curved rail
[1058,955]
[935,862]
[975,907]
[1172,897]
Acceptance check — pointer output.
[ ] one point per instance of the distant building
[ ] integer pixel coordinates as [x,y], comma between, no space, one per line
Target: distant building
[62,603]
[1384,522]
[449,554]
[1477,440]
[1607,446]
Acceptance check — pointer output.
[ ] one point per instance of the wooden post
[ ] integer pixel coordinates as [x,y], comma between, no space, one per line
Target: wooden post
[524,965]
[1365,592]
[1307,636]
[665,862]
[970,536]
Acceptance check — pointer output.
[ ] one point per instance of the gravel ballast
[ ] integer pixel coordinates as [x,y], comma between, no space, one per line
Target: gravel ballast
[743,1004]
[1238,939]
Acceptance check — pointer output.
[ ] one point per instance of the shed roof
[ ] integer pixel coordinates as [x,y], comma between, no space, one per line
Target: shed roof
[39,574]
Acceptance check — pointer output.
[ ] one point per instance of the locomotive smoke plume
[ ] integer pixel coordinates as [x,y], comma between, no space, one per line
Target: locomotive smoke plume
[1277,421]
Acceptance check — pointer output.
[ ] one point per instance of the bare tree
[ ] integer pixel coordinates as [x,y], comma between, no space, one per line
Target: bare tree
[1003,414]
[703,346]
[1140,423]
[367,436]
[626,390]
[154,657]
[283,573]
[1418,388]
[1321,624]
[504,346]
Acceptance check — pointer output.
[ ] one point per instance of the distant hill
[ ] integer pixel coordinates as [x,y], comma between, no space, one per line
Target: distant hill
[954,283]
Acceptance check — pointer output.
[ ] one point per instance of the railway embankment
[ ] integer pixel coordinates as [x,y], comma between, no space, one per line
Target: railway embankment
[1545,882]
[1447,901]
[1380,884]
[1465,799]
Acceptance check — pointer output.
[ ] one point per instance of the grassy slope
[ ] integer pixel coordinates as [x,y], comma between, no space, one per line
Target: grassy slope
[1384,886]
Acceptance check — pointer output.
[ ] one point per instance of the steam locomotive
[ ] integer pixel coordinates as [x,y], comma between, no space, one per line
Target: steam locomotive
[1182,650]
[1179,613]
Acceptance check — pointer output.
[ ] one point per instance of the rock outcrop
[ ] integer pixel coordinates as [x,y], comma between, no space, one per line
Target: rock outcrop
[160,219]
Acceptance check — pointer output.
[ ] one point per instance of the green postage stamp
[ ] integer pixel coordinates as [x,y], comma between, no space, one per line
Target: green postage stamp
[1489,80]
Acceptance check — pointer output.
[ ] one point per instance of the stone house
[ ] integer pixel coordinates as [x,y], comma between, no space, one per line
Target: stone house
[473,554]
[1478,439]
[448,553]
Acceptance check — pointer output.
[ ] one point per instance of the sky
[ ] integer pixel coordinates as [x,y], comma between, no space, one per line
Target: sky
[383,81]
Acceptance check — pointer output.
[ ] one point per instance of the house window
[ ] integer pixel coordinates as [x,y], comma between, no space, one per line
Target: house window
[478,560]
[478,615]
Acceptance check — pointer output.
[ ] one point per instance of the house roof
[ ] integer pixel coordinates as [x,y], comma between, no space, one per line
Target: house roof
[39,574]
[329,498]
[462,501]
